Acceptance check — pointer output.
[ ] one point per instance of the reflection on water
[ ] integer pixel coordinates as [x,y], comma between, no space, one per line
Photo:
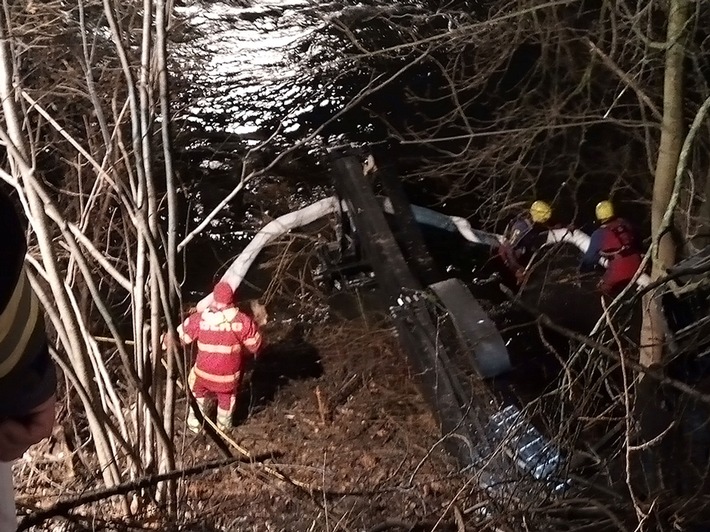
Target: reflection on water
[237,61]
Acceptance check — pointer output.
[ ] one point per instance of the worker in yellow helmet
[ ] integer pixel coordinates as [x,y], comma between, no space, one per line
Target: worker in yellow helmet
[616,241]
[520,236]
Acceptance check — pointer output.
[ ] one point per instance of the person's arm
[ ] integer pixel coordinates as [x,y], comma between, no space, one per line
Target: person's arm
[27,374]
[591,256]
[189,330]
[250,336]
[508,256]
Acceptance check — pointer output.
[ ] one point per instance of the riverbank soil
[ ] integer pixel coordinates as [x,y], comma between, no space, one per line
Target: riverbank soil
[351,443]
[339,439]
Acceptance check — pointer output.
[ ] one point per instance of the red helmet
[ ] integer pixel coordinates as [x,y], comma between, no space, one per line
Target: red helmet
[223,294]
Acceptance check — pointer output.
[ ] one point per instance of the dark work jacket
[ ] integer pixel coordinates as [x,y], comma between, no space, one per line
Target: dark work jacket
[27,374]
[522,233]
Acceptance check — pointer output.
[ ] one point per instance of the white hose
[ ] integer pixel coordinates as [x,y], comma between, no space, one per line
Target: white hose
[581,240]
[283,224]
[271,231]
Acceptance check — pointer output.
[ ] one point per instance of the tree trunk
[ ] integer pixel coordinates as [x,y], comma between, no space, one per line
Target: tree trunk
[672,131]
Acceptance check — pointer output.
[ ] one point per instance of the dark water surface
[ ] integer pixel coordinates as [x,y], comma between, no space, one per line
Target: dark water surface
[271,69]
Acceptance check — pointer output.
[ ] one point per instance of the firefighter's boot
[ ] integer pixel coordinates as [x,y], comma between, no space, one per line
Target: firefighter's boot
[224,419]
[224,416]
[192,422]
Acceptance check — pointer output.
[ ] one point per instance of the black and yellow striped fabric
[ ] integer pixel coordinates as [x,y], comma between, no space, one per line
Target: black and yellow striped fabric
[27,375]
[18,325]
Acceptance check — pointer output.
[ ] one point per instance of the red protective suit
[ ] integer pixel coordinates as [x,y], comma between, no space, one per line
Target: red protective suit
[222,336]
[616,241]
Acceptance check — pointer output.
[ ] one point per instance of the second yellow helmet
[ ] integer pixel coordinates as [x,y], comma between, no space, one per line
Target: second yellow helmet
[604,211]
[540,212]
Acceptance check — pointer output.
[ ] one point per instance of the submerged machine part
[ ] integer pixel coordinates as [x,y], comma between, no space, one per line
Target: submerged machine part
[475,328]
[452,345]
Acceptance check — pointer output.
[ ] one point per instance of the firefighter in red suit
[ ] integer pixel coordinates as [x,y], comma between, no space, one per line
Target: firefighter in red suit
[225,337]
[616,241]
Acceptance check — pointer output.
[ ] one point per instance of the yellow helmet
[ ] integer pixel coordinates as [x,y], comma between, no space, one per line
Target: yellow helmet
[604,211]
[540,212]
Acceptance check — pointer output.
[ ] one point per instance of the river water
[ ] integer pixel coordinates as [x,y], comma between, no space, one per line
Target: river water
[238,63]
[258,70]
